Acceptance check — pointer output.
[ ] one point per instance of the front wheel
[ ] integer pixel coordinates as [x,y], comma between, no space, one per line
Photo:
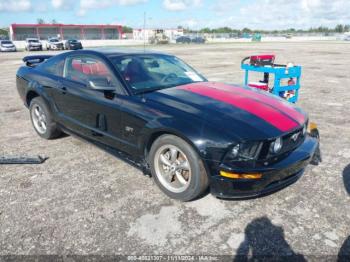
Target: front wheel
[42,120]
[177,169]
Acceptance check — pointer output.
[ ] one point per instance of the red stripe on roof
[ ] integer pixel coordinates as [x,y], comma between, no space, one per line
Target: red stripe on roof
[261,110]
[281,106]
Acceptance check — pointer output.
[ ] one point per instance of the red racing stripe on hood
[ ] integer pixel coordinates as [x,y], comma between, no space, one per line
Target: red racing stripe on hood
[252,106]
[281,106]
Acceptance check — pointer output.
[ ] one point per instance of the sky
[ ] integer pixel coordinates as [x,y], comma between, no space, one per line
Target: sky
[194,14]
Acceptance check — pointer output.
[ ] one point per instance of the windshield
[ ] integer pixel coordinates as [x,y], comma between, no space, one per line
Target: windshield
[148,72]
[33,41]
[54,40]
[72,41]
[6,42]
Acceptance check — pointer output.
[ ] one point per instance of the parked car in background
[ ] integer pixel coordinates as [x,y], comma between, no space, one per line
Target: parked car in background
[183,40]
[198,40]
[73,44]
[54,43]
[7,46]
[33,44]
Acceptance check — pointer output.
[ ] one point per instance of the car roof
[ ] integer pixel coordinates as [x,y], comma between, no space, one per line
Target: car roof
[124,51]
[32,39]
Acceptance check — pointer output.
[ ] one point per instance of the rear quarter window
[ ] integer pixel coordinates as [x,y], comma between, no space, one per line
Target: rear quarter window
[53,66]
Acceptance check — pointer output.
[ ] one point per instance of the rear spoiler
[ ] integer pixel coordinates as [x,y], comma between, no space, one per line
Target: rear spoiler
[34,60]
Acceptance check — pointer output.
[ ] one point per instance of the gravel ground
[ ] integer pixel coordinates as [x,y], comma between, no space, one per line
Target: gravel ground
[84,201]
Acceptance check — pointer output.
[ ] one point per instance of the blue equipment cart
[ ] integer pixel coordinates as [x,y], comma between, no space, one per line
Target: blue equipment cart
[289,74]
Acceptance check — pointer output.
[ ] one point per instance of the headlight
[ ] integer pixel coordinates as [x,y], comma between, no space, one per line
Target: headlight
[235,151]
[276,146]
[304,130]
[243,151]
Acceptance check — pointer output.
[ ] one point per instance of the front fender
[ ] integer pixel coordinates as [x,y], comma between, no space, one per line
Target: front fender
[209,143]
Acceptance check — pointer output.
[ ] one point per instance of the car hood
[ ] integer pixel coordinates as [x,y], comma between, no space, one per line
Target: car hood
[34,44]
[245,112]
[7,45]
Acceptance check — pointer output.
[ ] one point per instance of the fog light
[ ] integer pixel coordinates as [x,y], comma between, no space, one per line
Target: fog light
[240,176]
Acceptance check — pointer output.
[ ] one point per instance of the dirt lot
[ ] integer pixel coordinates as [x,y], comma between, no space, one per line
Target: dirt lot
[85,201]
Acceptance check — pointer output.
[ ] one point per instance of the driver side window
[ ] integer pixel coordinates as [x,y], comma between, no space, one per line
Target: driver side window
[86,69]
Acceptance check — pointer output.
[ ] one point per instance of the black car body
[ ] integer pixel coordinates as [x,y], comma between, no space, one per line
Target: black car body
[183,40]
[73,44]
[235,131]
[198,40]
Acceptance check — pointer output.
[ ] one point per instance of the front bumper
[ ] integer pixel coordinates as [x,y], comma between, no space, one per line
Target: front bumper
[56,47]
[8,49]
[75,47]
[37,47]
[274,177]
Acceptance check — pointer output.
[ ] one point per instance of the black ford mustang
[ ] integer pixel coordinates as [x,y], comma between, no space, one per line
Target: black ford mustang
[156,111]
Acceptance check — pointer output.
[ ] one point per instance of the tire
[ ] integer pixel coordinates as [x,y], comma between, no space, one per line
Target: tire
[51,130]
[183,184]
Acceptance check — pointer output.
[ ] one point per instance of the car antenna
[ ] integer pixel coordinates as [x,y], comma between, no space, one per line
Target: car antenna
[144,32]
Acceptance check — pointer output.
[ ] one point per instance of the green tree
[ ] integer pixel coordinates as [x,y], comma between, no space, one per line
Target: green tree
[40,21]
[339,28]
[205,30]
[127,29]
[54,22]
[4,33]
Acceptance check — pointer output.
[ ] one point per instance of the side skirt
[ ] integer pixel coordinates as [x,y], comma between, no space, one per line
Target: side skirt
[137,162]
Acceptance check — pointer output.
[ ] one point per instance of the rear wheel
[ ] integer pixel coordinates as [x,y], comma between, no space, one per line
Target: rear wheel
[42,120]
[177,169]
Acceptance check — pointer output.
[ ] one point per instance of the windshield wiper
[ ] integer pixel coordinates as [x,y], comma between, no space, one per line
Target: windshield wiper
[150,90]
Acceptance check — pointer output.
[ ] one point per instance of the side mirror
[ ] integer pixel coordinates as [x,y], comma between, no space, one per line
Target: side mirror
[101,84]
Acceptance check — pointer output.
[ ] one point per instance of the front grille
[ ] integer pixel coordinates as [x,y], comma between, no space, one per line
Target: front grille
[290,142]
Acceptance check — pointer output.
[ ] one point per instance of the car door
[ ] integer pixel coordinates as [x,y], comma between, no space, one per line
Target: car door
[92,113]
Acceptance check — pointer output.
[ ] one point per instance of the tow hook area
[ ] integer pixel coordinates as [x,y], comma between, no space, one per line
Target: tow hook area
[313,132]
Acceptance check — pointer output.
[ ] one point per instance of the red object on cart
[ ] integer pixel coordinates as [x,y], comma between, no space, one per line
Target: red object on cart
[262,60]
[259,85]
